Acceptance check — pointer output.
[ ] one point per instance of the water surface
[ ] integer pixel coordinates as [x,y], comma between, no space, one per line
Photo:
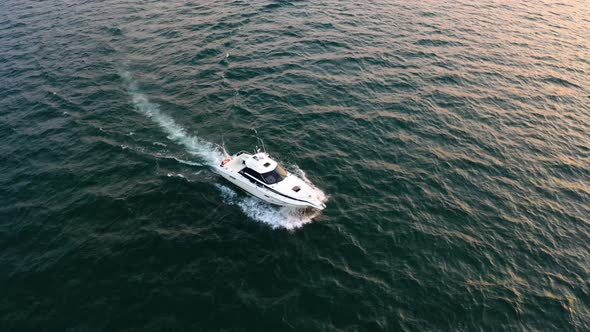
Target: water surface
[450,137]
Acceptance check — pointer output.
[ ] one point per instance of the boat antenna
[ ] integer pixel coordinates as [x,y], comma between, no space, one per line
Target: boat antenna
[259,140]
[223,145]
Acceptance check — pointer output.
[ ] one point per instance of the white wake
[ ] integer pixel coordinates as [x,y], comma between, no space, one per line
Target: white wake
[211,155]
[206,151]
[276,217]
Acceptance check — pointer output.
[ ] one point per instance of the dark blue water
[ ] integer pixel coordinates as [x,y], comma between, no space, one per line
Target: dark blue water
[451,139]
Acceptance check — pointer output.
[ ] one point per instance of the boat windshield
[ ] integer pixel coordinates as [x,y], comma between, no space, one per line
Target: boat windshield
[274,176]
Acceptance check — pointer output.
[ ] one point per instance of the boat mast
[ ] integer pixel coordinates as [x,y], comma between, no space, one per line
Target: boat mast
[260,141]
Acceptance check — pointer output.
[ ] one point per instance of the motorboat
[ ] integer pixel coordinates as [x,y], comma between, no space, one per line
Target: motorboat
[263,177]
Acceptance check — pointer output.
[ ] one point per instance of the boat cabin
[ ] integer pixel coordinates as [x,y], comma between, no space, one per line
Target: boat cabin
[260,167]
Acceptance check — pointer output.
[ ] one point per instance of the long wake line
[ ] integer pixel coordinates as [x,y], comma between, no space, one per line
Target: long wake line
[211,154]
[195,146]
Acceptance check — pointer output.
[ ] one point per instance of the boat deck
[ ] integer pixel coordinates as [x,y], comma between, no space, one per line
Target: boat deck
[236,164]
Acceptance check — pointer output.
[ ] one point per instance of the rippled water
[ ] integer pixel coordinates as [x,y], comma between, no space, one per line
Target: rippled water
[451,139]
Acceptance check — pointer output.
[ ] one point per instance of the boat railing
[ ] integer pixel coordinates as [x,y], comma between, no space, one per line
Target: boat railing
[240,153]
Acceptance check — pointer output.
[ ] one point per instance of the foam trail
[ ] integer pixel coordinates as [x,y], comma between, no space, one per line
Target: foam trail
[195,146]
[187,162]
[259,210]
[212,155]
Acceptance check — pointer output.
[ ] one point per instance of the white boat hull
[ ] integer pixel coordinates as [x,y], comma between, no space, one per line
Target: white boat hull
[258,175]
[263,193]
